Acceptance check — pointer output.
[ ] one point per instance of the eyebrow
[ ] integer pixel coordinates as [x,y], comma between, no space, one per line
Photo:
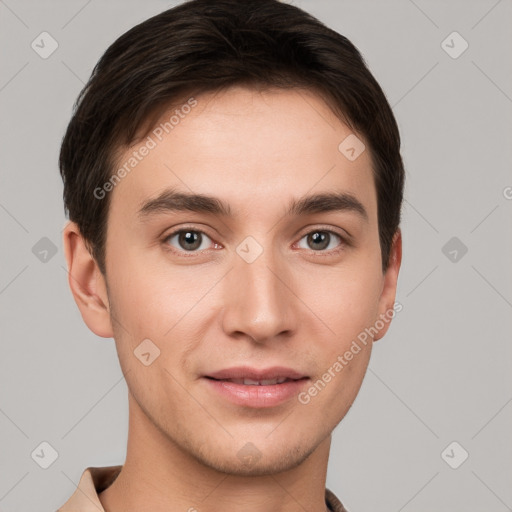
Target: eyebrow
[173,201]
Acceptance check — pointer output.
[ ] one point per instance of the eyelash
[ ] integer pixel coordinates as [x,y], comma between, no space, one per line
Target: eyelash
[187,254]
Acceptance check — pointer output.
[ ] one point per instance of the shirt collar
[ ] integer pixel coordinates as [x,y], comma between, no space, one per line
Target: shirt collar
[93,481]
[96,479]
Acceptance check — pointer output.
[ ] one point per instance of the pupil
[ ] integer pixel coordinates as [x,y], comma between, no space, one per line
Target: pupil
[320,237]
[190,238]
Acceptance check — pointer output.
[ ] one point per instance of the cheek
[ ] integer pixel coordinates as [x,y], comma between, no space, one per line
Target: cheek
[150,301]
[166,306]
[346,301]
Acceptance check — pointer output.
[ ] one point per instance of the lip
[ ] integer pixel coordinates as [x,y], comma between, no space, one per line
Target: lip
[241,372]
[256,396]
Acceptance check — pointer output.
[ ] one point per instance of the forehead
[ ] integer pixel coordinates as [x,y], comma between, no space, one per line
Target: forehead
[253,149]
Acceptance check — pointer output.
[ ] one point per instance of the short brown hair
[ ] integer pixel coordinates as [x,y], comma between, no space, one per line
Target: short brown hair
[205,46]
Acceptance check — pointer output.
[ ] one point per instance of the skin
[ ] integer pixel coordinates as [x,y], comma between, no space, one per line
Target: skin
[295,305]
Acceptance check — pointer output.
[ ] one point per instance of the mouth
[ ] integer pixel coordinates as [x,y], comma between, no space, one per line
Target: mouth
[255,388]
[252,382]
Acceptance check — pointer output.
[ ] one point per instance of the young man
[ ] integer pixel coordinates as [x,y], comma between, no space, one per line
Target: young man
[233,178]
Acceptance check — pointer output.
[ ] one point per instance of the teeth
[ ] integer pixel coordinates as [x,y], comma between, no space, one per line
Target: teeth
[251,382]
[269,382]
[264,382]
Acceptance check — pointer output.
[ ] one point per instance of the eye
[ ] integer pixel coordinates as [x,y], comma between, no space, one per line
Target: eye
[323,240]
[188,240]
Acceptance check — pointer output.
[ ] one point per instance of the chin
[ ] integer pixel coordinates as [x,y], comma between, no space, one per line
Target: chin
[251,461]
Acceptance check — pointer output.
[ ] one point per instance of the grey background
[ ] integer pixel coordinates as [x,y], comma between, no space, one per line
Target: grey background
[442,373]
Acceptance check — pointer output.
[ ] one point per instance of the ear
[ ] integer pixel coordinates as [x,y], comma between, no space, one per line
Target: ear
[86,282]
[388,294]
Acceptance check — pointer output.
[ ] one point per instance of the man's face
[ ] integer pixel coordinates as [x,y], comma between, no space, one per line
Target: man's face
[259,289]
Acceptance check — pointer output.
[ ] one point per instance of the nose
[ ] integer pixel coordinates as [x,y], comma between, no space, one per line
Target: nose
[258,299]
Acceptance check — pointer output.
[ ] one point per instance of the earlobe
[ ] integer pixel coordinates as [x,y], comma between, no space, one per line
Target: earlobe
[388,295]
[86,282]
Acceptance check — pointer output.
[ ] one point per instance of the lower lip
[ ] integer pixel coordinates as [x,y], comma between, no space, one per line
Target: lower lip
[257,396]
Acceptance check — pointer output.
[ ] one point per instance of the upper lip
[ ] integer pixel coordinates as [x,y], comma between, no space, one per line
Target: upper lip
[246,372]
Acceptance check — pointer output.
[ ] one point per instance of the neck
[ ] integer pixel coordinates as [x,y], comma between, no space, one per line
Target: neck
[160,476]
